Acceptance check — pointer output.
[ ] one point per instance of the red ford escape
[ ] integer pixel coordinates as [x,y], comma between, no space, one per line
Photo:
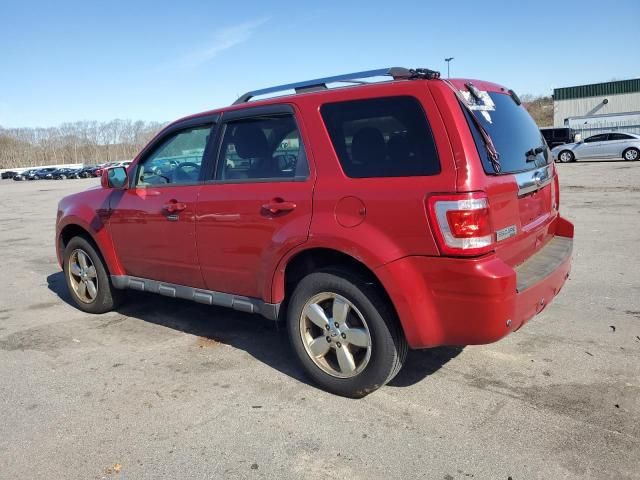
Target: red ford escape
[373,212]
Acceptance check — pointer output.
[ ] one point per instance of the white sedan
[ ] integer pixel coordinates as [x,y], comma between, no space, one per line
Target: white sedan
[605,145]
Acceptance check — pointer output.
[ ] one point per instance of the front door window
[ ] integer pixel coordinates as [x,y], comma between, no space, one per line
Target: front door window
[177,161]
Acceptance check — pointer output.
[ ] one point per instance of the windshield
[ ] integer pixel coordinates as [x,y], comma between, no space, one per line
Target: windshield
[515,136]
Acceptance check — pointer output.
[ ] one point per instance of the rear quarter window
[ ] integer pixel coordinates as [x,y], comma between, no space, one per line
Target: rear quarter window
[381,137]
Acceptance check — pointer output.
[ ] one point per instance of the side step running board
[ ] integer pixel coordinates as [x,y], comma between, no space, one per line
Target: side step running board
[208,297]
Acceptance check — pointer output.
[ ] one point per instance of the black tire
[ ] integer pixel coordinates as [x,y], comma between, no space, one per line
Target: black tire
[566,156]
[632,153]
[108,297]
[388,346]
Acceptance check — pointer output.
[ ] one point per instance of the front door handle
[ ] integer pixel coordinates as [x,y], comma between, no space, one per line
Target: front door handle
[174,206]
[278,205]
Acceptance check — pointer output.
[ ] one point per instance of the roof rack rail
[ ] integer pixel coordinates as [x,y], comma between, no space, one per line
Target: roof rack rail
[397,73]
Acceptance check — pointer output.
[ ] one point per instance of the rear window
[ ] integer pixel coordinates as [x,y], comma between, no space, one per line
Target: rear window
[514,134]
[619,136]
[381,137]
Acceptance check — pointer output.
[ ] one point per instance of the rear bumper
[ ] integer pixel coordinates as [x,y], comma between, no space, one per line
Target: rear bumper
[454,301]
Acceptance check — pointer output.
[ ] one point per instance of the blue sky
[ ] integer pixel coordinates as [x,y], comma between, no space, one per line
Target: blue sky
[65,61]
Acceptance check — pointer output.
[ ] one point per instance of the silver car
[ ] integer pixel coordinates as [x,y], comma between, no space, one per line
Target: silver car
[604,145]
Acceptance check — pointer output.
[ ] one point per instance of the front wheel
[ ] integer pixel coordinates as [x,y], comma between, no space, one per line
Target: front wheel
[566,156]
[631,154]
[345,333]
[87,278]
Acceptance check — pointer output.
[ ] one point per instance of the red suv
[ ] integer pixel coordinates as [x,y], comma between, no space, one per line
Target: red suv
[373,212]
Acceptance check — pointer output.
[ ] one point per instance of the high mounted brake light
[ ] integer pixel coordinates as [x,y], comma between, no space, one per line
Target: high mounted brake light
[462,223]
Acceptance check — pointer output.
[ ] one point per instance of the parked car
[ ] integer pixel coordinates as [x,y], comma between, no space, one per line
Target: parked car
[123,163]
[417,212]
[63,173]
[8,174]
[558,136]
[98,171]
[617,145]
[86,171]
[41,173]
[24,175]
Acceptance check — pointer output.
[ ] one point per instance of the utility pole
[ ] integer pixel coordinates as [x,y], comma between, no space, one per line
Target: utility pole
[448,60]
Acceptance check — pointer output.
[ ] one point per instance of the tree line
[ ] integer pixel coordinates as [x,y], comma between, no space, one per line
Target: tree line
[87,142]
[540,108]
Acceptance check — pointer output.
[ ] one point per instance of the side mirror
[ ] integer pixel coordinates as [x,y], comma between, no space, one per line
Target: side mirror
[114,177]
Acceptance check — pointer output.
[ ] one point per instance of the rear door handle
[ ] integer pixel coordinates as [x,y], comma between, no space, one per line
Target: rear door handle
[278,205]
[174,206]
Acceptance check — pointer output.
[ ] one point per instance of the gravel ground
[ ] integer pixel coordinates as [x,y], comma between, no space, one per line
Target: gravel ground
[169,389]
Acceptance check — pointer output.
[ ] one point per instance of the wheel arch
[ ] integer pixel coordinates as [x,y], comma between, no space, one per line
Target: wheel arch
[314,258]
[73,230]
[568,151]
[74,227]
[624,152]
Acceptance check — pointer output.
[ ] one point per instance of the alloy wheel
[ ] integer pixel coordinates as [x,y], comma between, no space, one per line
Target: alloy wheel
[335,335]
[565,157]
[83,276]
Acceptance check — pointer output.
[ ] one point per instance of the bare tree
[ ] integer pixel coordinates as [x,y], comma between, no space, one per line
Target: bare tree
[84,141]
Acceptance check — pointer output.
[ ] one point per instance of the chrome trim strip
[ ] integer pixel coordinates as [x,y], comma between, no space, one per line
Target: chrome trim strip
[533,180]
[208,297]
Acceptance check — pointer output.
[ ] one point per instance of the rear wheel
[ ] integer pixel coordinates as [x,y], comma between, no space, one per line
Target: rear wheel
[566,156]
[631,154]
[87,278]
[345,333]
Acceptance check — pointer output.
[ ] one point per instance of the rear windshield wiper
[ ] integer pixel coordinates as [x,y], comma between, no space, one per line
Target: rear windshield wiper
[534,152]
[492,153]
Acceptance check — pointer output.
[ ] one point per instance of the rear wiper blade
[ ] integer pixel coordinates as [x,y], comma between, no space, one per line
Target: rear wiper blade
[534,152]
[492,152]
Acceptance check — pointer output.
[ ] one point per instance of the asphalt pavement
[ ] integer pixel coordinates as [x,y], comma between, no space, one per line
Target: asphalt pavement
[165,388]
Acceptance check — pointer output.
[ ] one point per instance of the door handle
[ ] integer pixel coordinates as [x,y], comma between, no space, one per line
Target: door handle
[278,205]
[174,206]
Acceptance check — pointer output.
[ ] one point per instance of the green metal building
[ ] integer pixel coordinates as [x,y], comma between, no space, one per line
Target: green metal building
[598,103]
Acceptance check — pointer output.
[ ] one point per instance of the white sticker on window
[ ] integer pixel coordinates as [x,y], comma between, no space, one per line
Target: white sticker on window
[484,104]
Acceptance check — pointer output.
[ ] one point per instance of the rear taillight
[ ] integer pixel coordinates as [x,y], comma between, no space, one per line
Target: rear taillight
[556,192]
[462,223]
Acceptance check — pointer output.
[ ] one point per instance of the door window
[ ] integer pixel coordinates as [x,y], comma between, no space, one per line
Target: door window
[177,161]
[596,138]
[262,148]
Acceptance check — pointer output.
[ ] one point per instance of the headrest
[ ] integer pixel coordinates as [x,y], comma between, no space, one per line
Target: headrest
[250,141]
[368,146]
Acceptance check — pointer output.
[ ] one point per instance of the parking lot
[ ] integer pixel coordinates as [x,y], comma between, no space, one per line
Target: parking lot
[169,389]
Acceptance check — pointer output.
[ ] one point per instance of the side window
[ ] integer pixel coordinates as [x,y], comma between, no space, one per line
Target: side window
[382,137]
[596,138]
[619,136]
[176,161]
[262,148]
